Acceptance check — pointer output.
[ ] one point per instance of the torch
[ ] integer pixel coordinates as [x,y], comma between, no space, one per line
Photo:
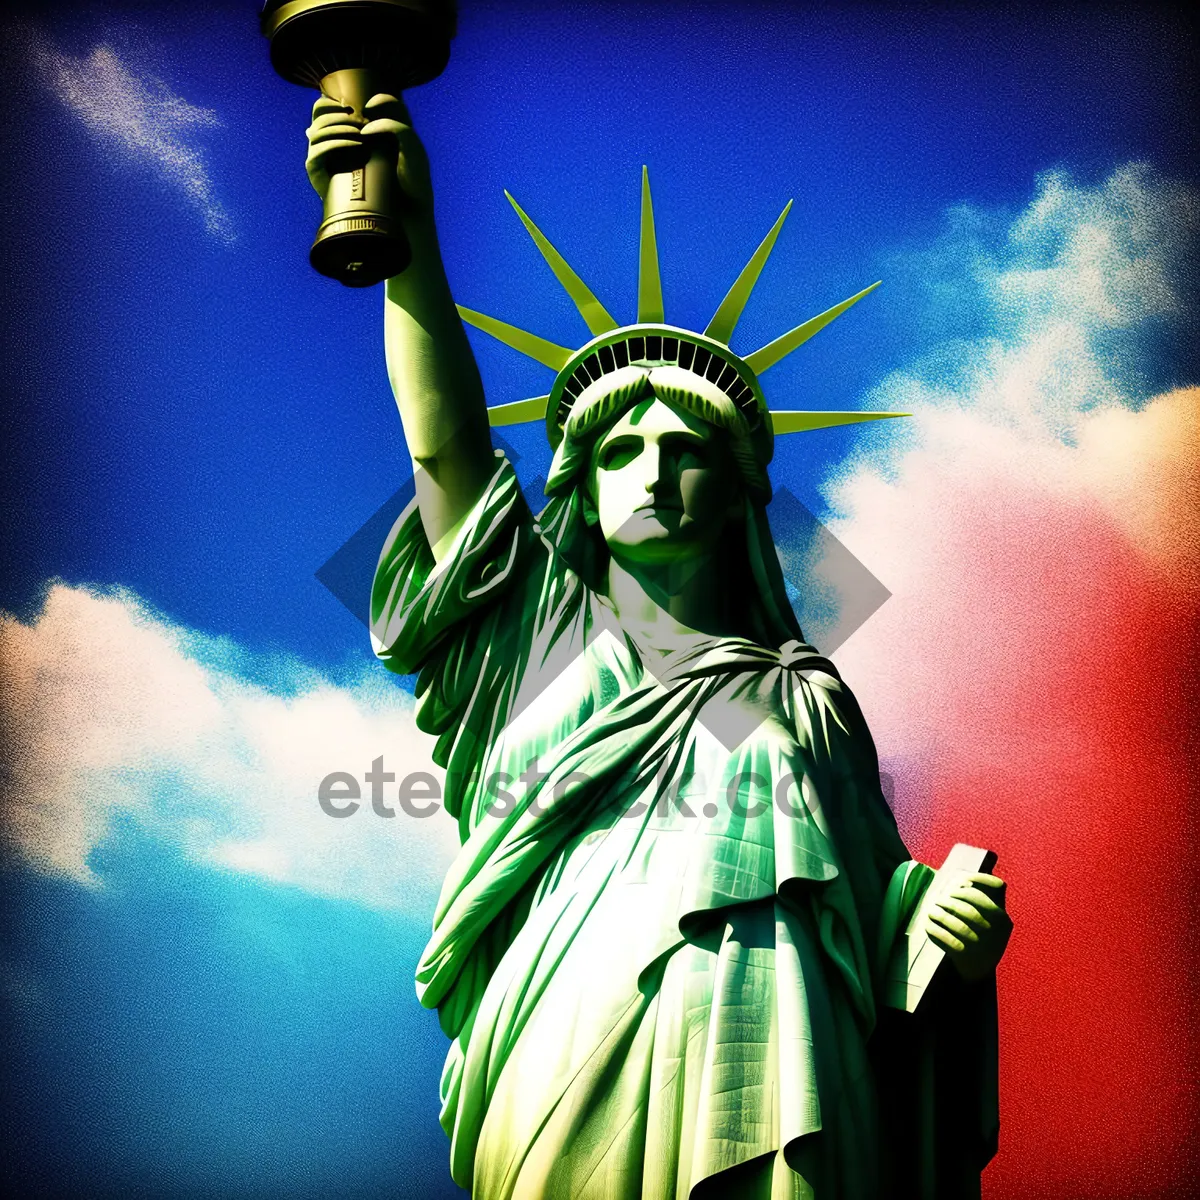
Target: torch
[351,50]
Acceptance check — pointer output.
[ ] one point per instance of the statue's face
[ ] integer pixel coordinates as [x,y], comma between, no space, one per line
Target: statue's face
[663,484]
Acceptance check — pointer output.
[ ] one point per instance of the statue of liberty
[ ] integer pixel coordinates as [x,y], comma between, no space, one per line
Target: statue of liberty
[662,952]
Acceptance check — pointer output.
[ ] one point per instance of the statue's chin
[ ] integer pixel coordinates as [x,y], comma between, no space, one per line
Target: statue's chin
[649,525]
[657,547]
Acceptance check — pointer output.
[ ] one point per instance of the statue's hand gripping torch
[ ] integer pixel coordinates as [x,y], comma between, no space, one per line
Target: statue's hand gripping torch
[351,50]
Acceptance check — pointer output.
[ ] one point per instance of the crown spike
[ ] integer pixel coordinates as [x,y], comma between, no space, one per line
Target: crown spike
[799,421]
[725,319]
[529,344]
[519,411]
[771,353]
[591,310]
[650,301]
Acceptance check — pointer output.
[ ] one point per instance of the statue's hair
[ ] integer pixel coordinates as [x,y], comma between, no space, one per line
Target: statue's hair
[602,404]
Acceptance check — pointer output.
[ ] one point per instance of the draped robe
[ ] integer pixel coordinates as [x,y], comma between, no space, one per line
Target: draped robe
[659,950]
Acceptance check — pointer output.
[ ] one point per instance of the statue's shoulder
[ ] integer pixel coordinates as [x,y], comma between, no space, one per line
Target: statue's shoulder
[810,664]
[829,704]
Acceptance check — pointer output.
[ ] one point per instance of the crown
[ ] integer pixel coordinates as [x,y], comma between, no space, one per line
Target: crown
[650,343]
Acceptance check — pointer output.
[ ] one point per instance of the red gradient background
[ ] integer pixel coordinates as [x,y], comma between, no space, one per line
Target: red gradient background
[1054,674]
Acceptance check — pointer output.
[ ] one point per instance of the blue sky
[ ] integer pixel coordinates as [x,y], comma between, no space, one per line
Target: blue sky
[194,416]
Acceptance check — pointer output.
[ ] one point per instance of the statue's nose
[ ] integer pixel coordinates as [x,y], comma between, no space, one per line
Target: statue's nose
[652,462]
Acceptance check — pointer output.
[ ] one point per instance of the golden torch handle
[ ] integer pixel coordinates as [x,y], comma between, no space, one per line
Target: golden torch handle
[353,50]
[361,239]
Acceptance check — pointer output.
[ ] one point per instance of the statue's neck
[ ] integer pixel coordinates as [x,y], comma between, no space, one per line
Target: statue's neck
[669,603]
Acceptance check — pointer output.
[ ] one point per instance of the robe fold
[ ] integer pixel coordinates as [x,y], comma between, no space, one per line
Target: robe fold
[659,951]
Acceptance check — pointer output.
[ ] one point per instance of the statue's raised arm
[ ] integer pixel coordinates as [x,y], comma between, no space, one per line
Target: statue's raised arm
[429,360]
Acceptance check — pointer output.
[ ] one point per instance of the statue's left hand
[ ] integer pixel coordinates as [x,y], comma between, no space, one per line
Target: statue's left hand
[971,925]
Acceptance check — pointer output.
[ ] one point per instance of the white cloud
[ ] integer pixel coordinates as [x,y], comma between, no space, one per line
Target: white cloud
[138,118]
[1062,300]
[111,712]
[1038,457]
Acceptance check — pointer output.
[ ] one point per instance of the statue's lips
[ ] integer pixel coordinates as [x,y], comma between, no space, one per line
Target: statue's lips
[659,508]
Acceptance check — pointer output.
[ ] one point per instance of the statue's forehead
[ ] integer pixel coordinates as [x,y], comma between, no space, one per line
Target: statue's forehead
[654,415]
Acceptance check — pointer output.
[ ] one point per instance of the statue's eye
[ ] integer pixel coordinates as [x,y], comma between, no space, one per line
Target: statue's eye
[620,452]
[688,452]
